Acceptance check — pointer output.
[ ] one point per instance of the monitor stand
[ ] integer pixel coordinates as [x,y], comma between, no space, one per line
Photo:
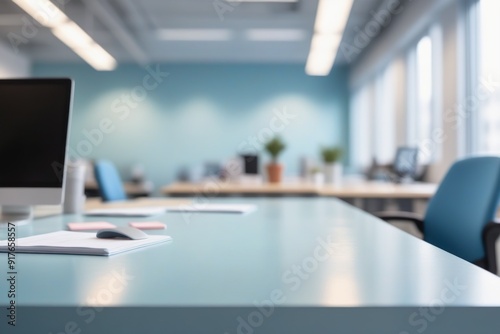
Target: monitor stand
[16,214]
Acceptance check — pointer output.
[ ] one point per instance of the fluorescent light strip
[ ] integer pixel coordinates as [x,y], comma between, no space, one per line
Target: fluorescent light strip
[264,1]
[319,63]
[327,35]
[194,34]
[326,43]
[44,11]
[275,35]
[322,54]
[70,33]
[97,57]
[332,16]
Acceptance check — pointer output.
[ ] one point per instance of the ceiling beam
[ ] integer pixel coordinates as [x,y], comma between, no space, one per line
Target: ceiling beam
[108,17]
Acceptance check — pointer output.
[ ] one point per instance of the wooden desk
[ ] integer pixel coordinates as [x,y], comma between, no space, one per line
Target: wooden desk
[295,265]
[347,190]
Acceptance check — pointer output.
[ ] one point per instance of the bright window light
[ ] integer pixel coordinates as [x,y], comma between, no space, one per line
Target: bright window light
[488,125]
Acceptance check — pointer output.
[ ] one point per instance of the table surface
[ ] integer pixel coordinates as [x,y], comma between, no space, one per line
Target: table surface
[316,252]
[346,190]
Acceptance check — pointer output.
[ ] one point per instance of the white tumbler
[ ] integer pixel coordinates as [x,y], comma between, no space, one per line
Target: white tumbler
[74,192]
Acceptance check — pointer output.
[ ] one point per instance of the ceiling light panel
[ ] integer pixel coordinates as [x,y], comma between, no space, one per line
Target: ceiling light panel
[194,34]
[275,35]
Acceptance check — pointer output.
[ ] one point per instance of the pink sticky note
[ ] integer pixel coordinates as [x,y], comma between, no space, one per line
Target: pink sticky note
[90,226]
[148,225]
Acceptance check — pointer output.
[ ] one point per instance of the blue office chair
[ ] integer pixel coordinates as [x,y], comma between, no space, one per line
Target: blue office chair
[460,216]
[109,181]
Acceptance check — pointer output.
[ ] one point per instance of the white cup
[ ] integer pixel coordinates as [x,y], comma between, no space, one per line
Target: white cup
[74,192]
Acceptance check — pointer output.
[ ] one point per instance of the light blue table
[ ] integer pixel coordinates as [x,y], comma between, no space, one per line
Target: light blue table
[317,265]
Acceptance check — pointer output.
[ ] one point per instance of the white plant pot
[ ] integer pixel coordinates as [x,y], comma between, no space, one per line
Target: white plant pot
[318,179]
[333,173]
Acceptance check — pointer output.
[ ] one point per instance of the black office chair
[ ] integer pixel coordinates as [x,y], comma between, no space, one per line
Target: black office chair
[460,216]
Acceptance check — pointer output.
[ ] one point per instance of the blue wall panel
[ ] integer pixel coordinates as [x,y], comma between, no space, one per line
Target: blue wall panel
[200,113]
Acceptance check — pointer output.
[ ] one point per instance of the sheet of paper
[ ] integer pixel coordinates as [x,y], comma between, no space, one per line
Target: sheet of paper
[79,243]
[214,207]
[89,226]
[127,212]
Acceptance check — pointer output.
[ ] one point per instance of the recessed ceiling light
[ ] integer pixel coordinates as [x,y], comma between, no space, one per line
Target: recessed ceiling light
[275,35]
[194,34]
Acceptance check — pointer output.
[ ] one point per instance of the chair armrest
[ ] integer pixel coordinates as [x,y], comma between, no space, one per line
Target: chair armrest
[491,232]
[403,216]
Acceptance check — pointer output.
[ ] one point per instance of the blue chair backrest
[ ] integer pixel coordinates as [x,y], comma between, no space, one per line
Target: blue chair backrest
[109,181]
[464,203]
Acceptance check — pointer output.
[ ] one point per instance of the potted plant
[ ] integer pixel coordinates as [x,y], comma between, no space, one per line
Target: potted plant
[275,170]
[333,168]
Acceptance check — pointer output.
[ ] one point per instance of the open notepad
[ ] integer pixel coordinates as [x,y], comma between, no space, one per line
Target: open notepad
[80,243]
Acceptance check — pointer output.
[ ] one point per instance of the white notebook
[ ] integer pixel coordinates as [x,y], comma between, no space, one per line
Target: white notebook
[214,207]
[79,243]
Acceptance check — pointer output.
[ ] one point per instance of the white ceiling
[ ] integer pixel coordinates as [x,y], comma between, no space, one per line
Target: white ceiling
[128,30]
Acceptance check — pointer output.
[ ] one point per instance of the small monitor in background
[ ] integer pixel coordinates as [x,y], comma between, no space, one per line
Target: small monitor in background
[405,164]
[250,164]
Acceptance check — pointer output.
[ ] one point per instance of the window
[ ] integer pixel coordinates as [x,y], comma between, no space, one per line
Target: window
[361,128]
[373,122]
[488,122]
[385,118]
[421,108]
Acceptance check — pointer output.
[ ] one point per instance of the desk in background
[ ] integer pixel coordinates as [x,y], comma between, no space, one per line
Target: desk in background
[346,190]
[316,264]
[411,197]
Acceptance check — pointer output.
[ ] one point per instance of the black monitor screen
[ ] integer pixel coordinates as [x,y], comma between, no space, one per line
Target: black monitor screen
[34,116]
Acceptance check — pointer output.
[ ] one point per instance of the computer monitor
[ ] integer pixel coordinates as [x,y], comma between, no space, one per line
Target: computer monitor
[250,163]
[405,164]
[34,118]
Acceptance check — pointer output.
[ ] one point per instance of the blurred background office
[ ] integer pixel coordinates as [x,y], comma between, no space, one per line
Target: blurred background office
[177,90]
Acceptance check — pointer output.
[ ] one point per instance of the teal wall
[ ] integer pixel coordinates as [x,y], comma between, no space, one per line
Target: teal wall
[201,113]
